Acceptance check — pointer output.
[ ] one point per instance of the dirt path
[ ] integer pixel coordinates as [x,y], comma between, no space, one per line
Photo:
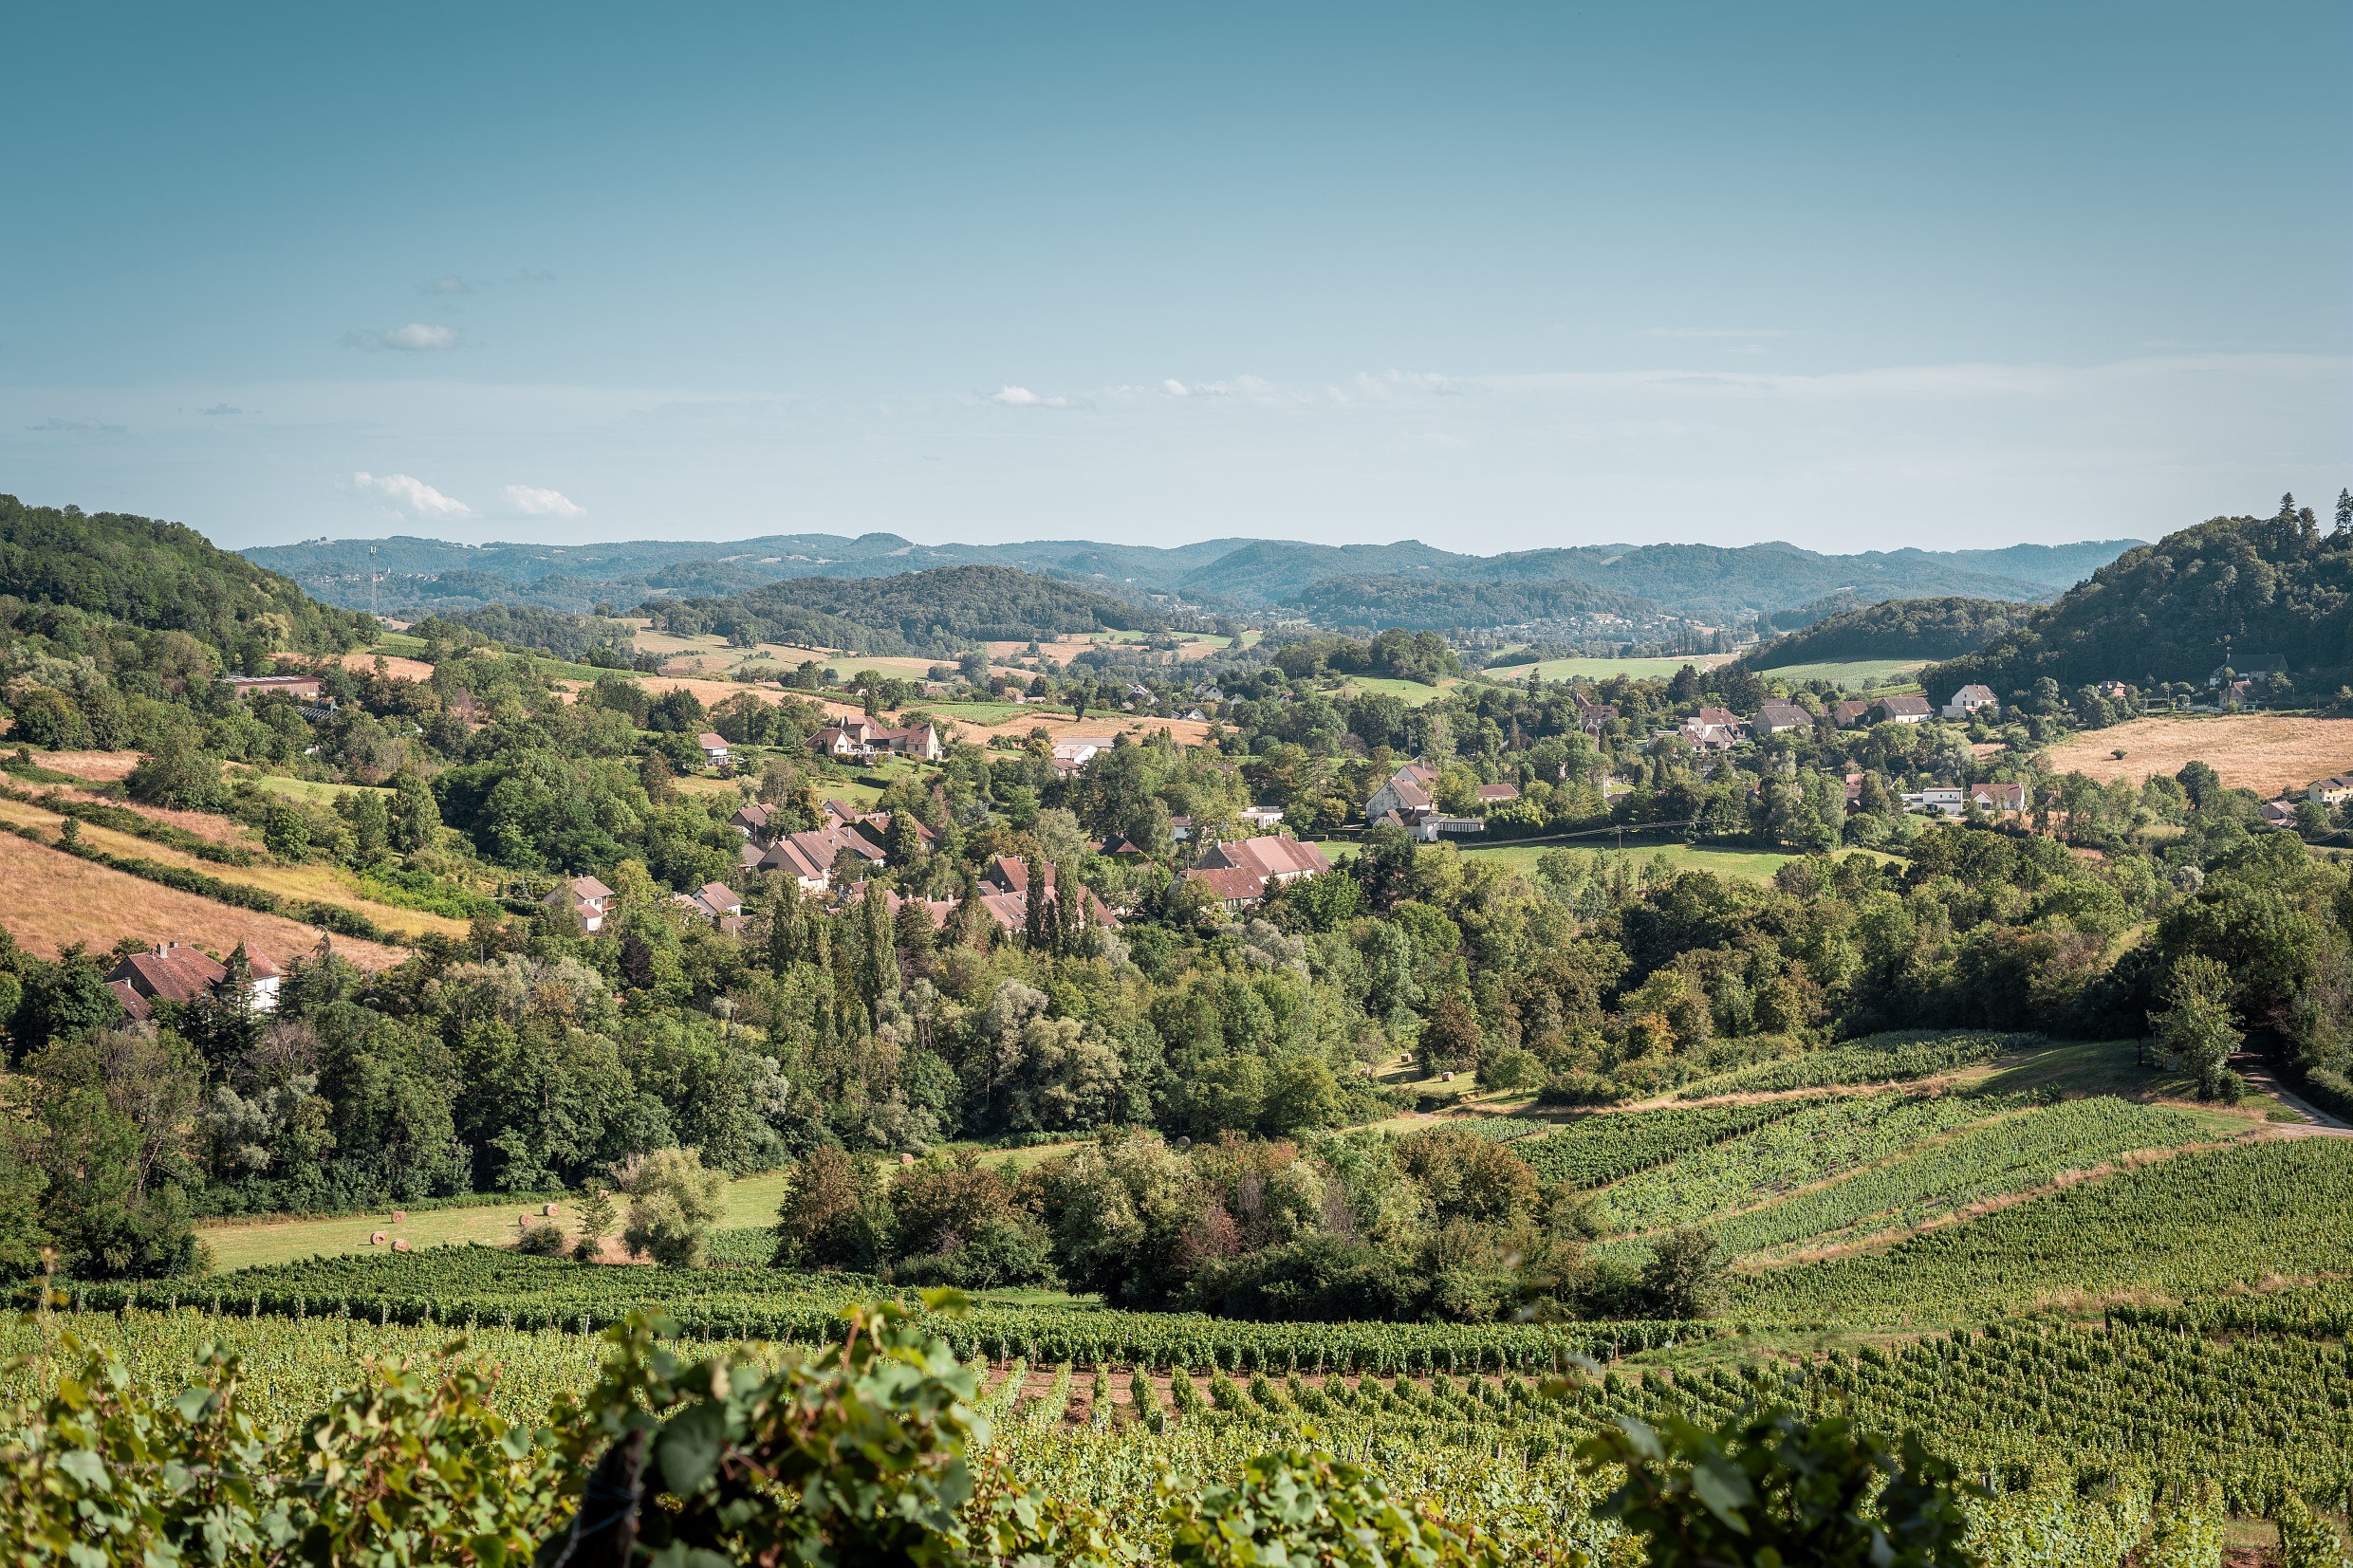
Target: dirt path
[2320,1123]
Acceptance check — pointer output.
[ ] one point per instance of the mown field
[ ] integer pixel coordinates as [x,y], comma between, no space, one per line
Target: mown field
[2269,753]
[1602,669]
[1849,674]
[1752,865]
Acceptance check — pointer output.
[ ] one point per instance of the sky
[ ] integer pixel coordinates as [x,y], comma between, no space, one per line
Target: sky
[1492,276]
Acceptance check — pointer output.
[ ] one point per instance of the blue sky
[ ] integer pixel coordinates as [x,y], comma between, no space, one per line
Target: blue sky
[1497,277]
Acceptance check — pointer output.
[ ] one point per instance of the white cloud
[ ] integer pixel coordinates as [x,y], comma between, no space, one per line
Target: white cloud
[420,337]
[1013,396]
[96,426]
[1176,388]
[415,338]
[446,286]
[415,494]
[532,502]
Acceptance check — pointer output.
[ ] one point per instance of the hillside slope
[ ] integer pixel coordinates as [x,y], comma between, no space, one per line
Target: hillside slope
[2246,591]
[1896,628]
[162,577]
[934,613]
[1435,603]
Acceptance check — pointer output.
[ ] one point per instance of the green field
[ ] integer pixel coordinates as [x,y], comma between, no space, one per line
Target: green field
[988,712]
[1888,675]
[1754,865]
[308,791]
[1602,669]
[253,1243]
[1411,693]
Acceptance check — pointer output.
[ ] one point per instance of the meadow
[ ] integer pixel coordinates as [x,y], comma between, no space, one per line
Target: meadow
[1748,864]
[1602,669]
[1852,675]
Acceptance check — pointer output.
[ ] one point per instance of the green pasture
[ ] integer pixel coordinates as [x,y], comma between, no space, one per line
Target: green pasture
[1853,675]
[247,1243]
[1602,669]
[1754,865]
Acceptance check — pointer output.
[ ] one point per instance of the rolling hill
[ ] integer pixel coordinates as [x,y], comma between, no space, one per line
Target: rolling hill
[1237,575]
[2249,592]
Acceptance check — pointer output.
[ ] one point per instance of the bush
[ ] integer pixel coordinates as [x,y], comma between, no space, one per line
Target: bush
[541,1241]
[673,1203]
[999,1253]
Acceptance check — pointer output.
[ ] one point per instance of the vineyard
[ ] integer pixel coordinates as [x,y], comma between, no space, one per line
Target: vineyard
[2161,1414]
[2125,1319]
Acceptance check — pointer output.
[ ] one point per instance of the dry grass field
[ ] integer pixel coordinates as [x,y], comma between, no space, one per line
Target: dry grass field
[324,884]
[92,766]
[2269,753]
[397,666]
[58,899]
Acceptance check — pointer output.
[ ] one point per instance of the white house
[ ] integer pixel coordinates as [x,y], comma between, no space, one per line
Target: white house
[715,748]
[1969,700]
[584,898]
[1949,798]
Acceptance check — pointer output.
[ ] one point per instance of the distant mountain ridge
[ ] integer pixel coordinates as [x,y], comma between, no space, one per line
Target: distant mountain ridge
[1224,575]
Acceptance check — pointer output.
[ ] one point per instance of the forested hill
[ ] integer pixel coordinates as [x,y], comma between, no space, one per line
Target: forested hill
[1435,603]
[162,577]
[2250,592]
[1899,628]
[934,613]
[1237,575]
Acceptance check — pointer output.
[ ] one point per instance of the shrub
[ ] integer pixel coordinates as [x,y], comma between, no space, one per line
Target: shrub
[673,1204]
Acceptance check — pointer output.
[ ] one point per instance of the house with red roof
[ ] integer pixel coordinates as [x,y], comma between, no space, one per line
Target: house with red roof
[174,972]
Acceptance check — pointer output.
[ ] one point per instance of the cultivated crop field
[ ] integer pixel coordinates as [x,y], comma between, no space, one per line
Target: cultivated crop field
[2269,753]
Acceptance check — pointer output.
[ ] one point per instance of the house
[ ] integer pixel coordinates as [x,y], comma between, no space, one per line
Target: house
[715,899]
[174,972]
[1406,792]
[1971,700]
[866,740]
[1592,715]
[300,688]
[2334,791]
[1905,709]
[715,748]
[1998,798]
[1262,817]
[1494,795]
[809,858]
[1180,828]
[1714,729]
[1272,857]
[2280,813]
[1232,886]
[920,741]
[1005,894]
[584,898]
[1948,800]
[1194,716]
[1073,752]
[1845,715]
[1773,716]
[751,821]
[714,902]
[1429,827]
